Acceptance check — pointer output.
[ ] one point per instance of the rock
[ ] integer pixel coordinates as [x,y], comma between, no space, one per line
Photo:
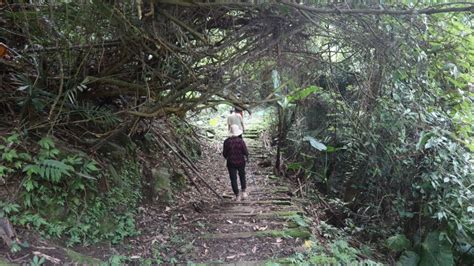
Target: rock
[7,233]
[162,176]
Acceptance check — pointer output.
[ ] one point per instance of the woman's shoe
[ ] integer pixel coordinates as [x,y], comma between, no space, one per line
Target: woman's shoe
[244,195]
[237,198]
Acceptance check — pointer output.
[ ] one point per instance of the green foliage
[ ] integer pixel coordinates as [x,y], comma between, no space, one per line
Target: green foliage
[117,260]
[343,252]
[7,208]
[340,252]
[97,115]
[300,220]
[15,247]
[436,250]
[60,197]
[37,261]
[408,258]
[302,94]
[398,243]
[406,152]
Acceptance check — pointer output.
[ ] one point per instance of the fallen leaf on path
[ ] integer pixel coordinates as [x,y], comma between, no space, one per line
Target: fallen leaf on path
[260,228]
[167,209]
[254,249]
[229,221]
[135,257]
[279,240]
[231,257]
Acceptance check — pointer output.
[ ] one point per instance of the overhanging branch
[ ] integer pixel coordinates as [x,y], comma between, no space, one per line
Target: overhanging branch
[392,12]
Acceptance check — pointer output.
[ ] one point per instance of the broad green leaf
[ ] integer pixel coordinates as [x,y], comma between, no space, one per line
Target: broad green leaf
[302,94]
[435,251]
[408,258]
[398,242]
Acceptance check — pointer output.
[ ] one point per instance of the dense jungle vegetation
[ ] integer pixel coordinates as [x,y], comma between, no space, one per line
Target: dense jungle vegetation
[371,105]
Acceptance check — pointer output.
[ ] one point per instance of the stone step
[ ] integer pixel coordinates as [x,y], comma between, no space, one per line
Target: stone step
[282,215]
[301,232]
[258,202]
[276,199]
[230,226]
[244,250]
[243,210]
[253,208]
[244,263]
[253,155]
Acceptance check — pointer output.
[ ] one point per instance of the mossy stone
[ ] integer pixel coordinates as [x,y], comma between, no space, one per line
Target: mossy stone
[179,180]
[299,232]
[162,176]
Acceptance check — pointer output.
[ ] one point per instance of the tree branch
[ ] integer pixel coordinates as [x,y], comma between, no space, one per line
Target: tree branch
[393,12]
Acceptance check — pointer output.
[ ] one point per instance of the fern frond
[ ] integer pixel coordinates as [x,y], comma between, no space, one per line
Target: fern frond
[99,115]
[71,94]
[54,170]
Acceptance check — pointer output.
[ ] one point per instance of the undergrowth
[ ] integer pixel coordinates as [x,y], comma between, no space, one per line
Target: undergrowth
[59,193]
[335,251]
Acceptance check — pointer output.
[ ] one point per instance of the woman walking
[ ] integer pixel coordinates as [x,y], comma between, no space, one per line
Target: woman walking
[235,151]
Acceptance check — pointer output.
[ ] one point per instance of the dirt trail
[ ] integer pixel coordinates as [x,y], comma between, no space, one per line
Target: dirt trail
[265,226]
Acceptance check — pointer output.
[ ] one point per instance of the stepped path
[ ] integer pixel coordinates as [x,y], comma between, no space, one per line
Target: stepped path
[197,228]
[266,226]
